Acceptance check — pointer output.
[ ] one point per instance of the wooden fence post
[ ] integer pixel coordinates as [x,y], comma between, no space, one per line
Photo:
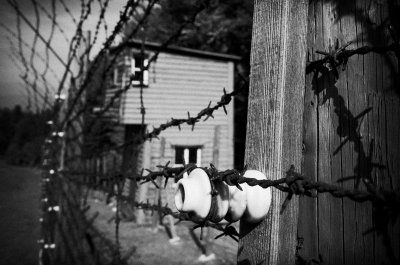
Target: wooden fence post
[274,127]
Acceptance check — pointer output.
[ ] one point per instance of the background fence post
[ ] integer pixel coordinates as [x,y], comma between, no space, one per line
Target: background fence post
[142,189]
[216,146]
[274,127]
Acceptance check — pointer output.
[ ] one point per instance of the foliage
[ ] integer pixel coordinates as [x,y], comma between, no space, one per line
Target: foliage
[22,135]
[98,138]
[225,26]
[8,120]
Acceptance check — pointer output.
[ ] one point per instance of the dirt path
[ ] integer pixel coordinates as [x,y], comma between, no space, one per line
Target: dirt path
[19,214]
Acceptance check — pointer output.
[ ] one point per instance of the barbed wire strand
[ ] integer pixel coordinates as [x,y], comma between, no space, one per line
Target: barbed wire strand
[118,93]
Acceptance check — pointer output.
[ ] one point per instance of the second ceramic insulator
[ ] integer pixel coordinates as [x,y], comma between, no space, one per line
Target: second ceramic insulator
[193,196]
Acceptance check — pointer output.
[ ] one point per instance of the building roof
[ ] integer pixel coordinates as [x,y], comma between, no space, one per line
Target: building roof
[180,50]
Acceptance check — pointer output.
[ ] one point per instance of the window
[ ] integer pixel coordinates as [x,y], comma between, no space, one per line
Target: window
[121,72]
[131,66]
[188,155]
[136,63]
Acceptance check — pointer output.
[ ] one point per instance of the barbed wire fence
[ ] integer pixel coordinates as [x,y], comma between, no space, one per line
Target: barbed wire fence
[69,235]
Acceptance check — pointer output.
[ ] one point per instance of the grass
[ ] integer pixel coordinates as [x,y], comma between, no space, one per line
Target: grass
[19,218]
[152,242]
[19,228]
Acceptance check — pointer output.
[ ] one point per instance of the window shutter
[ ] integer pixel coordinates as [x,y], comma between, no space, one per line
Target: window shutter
[186,156]
[146,78]
[123,82]
[133,65]
[198,158]
[146,73]
[115,77]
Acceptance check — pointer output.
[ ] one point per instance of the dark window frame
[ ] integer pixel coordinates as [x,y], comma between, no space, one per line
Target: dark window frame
[136,69]
[193,151]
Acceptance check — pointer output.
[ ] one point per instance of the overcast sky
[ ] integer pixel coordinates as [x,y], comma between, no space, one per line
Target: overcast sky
[12,88]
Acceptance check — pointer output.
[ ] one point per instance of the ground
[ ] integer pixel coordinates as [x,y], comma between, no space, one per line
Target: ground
[152,242]
[19,228]
[19,218]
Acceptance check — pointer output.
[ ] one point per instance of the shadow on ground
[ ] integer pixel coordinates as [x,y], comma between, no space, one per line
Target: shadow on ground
[152,243]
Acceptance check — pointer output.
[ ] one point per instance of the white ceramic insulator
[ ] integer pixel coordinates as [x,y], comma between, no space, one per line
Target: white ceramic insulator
[193,195]
[258,198]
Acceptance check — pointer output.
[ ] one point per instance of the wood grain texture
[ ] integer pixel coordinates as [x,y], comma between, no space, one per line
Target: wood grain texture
[339,143]
[274,127]
[307,221]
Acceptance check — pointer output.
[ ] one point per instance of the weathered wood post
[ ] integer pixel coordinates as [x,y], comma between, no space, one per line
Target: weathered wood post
[274,128]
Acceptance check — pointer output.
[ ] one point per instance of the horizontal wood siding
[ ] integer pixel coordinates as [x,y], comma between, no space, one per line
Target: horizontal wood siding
[113,111]
[178,84]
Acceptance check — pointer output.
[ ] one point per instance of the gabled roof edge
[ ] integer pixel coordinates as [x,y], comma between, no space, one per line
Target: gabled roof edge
[179,50]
